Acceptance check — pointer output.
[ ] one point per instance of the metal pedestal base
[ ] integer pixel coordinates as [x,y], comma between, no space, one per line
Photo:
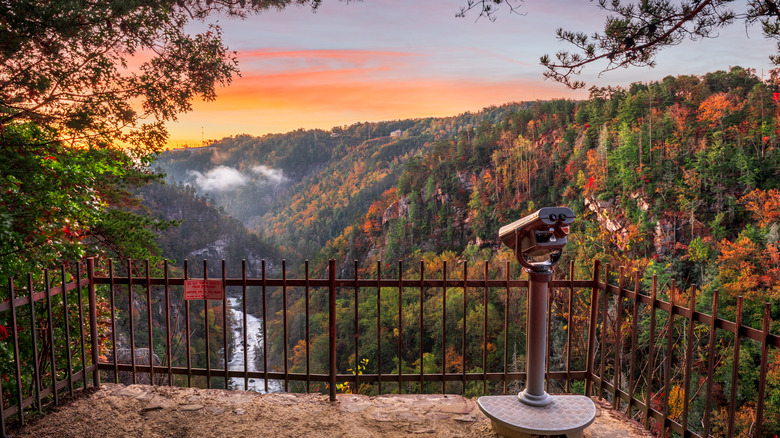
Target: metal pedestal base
[535,400]
[567,415]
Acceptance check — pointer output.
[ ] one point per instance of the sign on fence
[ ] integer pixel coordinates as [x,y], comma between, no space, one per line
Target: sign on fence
[203,289]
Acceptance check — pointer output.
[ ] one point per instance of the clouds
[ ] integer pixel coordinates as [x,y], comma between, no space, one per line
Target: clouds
[393,59]
[273,175]
[226,178]
[219,179]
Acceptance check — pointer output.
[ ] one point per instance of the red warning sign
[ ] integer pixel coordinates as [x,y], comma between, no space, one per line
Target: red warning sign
[203,289]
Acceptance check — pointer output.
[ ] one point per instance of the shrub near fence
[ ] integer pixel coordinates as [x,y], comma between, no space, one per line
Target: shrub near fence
[663,362]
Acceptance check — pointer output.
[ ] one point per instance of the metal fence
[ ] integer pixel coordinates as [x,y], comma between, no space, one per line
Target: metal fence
[35,323]
[596,331]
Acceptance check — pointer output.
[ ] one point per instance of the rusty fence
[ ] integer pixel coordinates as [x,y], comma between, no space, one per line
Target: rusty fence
[654,359]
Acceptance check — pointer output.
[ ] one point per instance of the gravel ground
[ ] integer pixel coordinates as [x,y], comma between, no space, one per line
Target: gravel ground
[146,411]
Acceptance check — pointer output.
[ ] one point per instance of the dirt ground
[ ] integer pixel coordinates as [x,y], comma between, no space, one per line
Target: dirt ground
[146,411]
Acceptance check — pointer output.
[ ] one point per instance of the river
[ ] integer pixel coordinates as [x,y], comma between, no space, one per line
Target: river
[254,340]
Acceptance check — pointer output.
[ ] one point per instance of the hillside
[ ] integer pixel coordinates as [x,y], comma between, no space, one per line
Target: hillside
[204,231]
[301,189]
[678,177]
[666,176]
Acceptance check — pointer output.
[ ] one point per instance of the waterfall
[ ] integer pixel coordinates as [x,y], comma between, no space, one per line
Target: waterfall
[254,340]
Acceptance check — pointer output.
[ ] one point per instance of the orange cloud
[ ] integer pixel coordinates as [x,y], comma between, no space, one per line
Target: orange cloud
[364,55]
[322,89]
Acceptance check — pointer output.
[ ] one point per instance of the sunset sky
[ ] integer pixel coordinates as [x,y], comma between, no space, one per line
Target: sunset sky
[393,59]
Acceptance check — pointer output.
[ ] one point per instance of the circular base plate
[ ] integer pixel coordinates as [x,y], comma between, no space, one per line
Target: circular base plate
[534,400]
[566,415]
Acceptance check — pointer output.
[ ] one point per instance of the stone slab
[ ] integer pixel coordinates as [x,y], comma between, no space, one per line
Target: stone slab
[158,402]
[566,415]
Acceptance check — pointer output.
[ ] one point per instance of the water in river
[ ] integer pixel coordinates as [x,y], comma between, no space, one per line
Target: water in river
[254,356]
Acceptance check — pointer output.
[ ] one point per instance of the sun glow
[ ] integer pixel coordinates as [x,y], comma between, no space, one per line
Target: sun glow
[287,90]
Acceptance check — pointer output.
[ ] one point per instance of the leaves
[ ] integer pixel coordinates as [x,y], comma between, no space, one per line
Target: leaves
[635,32]
[113,71]
[62,204]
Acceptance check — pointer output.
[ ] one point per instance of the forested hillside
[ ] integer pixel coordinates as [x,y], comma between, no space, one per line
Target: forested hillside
[677,177]
[203,231]
[303,188]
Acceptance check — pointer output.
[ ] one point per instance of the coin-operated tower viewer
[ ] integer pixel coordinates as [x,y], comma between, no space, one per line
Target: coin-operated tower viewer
[538,241]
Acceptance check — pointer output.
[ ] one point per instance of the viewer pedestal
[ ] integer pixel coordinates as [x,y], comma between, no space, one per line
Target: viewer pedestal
[567,415]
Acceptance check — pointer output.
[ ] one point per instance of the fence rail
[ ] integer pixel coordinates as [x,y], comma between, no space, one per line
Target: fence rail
[594,338]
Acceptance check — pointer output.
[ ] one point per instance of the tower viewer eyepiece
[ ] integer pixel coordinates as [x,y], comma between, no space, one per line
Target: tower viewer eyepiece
[538,239]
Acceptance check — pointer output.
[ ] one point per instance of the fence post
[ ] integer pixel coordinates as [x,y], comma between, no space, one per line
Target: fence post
[93,320]
[332,327]
[594,295]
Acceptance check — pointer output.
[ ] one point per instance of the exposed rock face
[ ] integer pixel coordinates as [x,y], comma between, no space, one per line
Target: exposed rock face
[123,357]
[668,229]
[467,180]
[610,218]
[438,196]
[664,236]
[396,209]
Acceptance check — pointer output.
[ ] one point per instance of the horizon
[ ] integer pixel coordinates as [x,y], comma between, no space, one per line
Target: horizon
[208,142]
[373,61]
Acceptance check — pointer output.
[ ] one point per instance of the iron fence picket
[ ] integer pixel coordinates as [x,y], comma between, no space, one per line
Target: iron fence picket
[93,321]
[111,298]
[285,338]
[618,338]
[688,360]
[422,326]
[444,327]
[332,371]
[66,323]
[548,346]
[650,354]
[506,328]
[463,340]
[307,292]
[150,331]
[356,330]
[711,365]
[485,330]
[735,369]
[594,298]
[225,346]
[763,371]
[632,380]
[187,328]
[603,343]
[669,357]
[379,324]
[569,302]
[17,361]
[206,328]
[400,322]
[244,326]
[168,346]
[36,382]
[81,327]
[50,330]
[131,317]
[265,326]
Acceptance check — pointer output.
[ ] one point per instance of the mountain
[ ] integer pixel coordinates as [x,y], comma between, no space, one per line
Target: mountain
[301,189]
[204,231]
